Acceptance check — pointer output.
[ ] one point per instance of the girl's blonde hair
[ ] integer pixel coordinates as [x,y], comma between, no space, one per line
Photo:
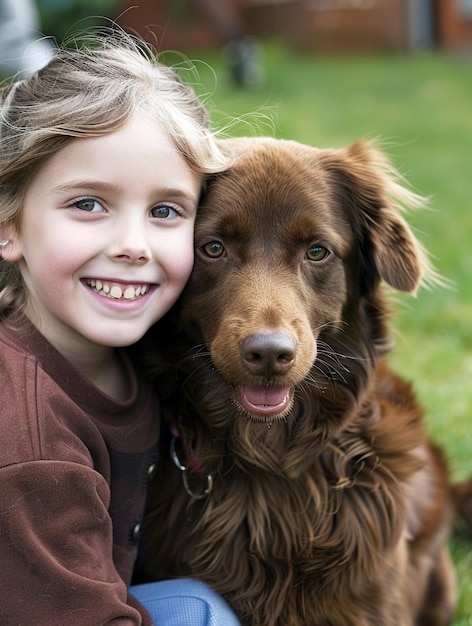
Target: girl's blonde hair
[89,90]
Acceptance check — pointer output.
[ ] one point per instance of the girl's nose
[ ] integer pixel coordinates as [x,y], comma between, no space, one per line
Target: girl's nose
[131,246]
[133,257]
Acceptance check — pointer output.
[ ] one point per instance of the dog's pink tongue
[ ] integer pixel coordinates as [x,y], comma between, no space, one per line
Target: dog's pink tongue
[264,400]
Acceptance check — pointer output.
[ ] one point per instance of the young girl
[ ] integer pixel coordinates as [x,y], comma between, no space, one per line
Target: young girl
[102,155]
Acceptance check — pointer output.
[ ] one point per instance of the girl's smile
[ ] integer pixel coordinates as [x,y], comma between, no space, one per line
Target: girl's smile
[116,291]
[106,240]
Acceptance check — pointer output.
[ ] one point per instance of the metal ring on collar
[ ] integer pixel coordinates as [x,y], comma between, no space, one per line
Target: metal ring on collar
[183,469]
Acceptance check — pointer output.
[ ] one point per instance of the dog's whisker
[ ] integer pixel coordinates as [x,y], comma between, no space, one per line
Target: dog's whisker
[331,324]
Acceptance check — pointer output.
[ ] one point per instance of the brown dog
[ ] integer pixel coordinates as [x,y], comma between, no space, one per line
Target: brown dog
[305,490]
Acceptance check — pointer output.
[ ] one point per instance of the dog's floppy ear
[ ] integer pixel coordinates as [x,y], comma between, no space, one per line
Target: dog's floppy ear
[376,197]
[399,258]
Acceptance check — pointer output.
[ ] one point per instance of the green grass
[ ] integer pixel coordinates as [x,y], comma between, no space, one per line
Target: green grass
[420,107]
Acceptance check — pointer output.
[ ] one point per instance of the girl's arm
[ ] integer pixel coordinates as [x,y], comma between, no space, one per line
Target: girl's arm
[56,546]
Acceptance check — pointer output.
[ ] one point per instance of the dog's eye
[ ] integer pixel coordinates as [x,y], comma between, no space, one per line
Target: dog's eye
[213,249]
[317,253]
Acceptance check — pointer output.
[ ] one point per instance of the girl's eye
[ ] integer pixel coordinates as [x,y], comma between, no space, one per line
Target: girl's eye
[88,204]
[213,249]
[317,253]
[164,212]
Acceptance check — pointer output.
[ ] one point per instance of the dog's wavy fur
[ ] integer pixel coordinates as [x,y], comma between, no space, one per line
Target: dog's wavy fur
[335,511]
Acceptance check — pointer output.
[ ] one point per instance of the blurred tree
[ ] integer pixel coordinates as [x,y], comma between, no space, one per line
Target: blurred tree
[61,18]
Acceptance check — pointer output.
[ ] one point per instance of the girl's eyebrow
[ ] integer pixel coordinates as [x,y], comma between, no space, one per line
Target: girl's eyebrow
[100,185]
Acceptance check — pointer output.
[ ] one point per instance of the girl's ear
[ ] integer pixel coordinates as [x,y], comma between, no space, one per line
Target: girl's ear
[10,244]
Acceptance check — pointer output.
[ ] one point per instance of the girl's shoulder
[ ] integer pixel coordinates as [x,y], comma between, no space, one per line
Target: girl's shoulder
[38,419]
[50,412]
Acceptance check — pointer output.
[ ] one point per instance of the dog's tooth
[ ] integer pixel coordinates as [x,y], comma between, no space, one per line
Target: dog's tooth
[98,285]
[115,292]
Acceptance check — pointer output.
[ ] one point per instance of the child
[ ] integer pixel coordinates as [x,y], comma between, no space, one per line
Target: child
[102,156]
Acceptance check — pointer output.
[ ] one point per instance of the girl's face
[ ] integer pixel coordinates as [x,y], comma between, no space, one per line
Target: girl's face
[106,241]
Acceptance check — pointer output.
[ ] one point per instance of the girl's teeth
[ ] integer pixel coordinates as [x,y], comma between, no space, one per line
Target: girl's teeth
[130,293]
[115,292]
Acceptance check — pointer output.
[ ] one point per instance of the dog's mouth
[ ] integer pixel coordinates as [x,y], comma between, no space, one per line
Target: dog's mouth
[271,403]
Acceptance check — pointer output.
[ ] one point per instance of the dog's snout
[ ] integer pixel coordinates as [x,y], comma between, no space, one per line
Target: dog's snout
[268,354]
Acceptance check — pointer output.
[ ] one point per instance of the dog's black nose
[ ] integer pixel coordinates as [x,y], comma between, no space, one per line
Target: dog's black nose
[268,354]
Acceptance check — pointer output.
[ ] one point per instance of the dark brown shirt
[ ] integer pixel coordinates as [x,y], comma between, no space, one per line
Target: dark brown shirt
[74,467]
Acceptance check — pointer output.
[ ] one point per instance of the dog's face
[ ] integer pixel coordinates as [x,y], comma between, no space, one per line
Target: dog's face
[291,244]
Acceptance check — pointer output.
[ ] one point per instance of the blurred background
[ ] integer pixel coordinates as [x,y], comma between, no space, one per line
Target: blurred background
[326,73]
[334,26]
